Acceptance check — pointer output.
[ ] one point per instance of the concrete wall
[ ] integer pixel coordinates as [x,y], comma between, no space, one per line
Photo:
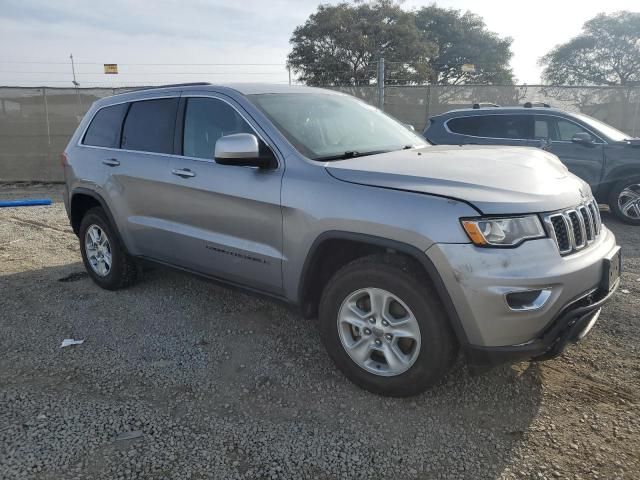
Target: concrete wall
[36,123]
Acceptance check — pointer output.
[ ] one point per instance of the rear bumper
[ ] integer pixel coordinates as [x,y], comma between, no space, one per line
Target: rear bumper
[570,326]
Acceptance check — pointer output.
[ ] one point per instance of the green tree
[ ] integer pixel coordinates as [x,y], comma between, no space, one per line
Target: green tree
[462,38]
[607,52]
[341,44]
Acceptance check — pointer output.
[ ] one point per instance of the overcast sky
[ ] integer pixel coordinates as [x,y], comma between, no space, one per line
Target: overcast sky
[133,33]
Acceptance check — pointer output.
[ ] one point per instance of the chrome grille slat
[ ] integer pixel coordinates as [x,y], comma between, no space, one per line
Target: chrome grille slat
[588,221]
[575,228]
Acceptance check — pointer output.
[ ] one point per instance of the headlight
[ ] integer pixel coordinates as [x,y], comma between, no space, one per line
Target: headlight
[503,232]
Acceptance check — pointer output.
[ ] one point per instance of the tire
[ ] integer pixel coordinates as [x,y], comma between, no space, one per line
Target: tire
[616,196]
[122,270]
[427,357]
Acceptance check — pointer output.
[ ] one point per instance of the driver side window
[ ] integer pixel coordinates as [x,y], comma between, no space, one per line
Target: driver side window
[567,130]
[556,129]
[205,121]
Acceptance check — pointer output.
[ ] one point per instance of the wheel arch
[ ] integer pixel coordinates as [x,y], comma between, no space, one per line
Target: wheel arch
[312,279]
[82,200]
[624,172]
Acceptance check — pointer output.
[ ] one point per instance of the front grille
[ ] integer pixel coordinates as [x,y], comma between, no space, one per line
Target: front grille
[575,228]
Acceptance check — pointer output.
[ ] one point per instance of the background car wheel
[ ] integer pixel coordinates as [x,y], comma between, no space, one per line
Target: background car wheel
[384,328]
[624,201]
[104,258]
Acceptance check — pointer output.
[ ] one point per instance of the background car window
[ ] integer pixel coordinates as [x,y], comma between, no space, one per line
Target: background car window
[205,121]
[491,126]
[541,129]
[105,127]
[149,126]
[464,125]
[567,130]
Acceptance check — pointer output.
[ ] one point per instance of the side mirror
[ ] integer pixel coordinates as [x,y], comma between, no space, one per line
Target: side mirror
[582,138]
[544,143]
[240,149]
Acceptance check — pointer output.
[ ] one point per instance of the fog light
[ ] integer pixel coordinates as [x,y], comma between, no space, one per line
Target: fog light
[527,300]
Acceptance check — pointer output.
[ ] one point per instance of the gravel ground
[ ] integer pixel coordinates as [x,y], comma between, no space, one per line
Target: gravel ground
[180,378]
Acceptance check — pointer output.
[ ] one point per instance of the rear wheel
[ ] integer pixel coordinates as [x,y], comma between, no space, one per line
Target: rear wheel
[104,257]
[384,328]
[624,201]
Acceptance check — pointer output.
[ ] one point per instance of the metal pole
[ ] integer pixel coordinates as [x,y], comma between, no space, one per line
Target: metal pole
[46,114]
[428,105]
[289,70]
[635,116]
[76,85]
[381,84]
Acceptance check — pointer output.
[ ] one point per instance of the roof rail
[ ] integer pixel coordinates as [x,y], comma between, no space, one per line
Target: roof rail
[188,84]
[536,104]
[484,105]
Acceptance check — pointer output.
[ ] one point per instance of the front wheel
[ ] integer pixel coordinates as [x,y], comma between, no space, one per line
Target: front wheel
[384,328]
[624,201]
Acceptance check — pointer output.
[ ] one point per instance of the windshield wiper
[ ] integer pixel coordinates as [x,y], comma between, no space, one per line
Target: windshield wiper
[348,154]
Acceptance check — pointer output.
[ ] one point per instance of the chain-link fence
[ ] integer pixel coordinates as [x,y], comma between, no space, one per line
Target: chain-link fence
[36,123]
[617,106]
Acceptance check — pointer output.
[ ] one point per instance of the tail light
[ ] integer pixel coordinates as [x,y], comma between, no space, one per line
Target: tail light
[64,160]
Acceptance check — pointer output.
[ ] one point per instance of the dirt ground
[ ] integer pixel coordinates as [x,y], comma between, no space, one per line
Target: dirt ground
[181,378]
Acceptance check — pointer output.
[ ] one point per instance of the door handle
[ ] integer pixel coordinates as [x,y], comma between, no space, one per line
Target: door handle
[111,162]
[183,172]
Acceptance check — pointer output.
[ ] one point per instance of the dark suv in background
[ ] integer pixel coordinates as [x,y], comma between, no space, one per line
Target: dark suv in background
[606,158]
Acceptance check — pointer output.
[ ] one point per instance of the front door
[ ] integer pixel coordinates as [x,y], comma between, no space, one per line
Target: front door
[225,220]
[585,161]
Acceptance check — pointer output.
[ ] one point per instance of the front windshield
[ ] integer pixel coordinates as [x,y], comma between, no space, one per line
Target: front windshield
[322,125]
[607,130]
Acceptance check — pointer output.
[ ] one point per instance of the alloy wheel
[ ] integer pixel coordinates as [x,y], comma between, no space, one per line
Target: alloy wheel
[98,250]
[379,331]
[629,201]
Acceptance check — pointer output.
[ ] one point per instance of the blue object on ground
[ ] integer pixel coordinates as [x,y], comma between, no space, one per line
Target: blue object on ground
[24,203]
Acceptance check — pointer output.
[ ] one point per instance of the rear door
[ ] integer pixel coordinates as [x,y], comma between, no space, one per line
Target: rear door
[491,129]
[139,173]
[224,220]
[585,161]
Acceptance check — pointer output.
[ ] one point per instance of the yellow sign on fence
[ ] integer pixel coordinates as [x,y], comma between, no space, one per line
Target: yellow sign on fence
[111,68]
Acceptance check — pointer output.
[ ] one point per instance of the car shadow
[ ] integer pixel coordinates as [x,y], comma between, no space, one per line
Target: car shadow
[202,354]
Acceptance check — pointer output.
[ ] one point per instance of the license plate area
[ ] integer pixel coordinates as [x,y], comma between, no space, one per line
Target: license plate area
[612,269]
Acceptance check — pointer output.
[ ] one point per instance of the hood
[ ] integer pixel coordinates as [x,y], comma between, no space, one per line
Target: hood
[496,180]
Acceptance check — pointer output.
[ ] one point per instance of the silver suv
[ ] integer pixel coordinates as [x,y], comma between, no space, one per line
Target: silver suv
[407,253]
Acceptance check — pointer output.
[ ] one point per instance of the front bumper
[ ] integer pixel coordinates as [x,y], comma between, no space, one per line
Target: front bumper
[571,325]
[478,279]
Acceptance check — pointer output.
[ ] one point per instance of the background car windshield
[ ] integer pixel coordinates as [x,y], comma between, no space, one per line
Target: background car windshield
[324,125]
[607,130]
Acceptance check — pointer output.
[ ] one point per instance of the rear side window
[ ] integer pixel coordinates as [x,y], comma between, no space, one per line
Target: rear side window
[149,126]
[105,127]
[205,121]
[492,126]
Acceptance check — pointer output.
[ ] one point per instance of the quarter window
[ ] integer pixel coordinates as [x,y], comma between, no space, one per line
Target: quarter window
[149,125]
[105,127]
[205,121]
